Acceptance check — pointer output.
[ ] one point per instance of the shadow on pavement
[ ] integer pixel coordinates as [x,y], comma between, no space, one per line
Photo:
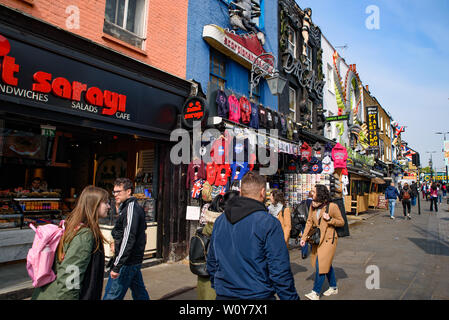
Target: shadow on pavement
[339,274]
[432,247]
[296,268]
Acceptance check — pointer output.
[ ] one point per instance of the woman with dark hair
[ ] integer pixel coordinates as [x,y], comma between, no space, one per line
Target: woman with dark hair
[434,197]
[326,216]
[278,210]
[216,208]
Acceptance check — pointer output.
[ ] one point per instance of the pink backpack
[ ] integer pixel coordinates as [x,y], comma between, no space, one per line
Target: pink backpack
[41,256]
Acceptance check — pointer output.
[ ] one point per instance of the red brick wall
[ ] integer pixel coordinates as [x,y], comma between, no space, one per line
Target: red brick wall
[166,32]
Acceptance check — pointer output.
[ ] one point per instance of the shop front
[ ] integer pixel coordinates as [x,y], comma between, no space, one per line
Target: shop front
[74,114]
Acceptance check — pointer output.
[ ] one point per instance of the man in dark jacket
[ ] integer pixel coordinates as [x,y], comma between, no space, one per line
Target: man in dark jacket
[129,245]
[248,257]
[391,194]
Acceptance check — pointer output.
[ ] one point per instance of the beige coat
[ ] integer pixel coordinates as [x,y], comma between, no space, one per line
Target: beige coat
[286,223]
[329,238]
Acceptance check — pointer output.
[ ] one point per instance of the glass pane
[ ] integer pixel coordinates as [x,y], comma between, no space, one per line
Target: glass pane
[131,22]
[120,12]
[110,10]
[216,68]
[223,69]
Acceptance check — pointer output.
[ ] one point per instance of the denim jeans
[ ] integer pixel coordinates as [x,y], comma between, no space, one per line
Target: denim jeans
[319,279]
[413,201]
[391,204]
[130,277]
[440,198]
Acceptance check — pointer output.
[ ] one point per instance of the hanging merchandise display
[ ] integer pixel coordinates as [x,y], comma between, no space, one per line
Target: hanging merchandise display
[245,110]
[315,166]
[318,150]
[339,155]
[234,109]
[306,152]
[222,104]
[195,171]
[263,122]
[298,186]
[254,121]
[328,165]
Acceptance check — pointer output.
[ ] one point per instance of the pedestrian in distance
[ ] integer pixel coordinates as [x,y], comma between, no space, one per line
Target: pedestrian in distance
[129,245]
[440,193]
[306,247]
[326,216]
[391,194]
[79,259]
[444,187]
[405,196]
[248,258]
[217,207]
[434,197]
[278,210]
[414,193]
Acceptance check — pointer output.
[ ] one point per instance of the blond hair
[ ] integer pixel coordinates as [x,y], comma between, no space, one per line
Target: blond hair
[85,215]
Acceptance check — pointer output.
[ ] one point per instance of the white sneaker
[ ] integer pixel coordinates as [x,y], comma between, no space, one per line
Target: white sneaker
[330,292]
[313,296]
[408,216]
[392,218]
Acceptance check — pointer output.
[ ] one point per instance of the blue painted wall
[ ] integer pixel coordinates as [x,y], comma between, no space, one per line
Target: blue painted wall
[204,12]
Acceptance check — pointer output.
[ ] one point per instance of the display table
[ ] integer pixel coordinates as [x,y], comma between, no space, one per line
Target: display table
[150,248]
[15,243]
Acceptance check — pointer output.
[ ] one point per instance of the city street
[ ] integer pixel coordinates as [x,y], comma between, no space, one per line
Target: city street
[412,257]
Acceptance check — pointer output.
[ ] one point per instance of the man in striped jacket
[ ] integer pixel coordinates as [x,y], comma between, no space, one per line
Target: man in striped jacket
[129,246]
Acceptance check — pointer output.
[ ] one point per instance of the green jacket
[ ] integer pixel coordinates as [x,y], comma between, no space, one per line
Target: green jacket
[70,272]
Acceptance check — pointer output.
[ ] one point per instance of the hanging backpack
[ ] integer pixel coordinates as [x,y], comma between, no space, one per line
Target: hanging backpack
[41,256]
[299,217]
[199,245]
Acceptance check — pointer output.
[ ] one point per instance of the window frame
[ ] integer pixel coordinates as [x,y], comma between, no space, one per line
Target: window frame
[310,102]
[215,56]
[291,89]
[294,44]
[120,32]
[309,51]
[330,79]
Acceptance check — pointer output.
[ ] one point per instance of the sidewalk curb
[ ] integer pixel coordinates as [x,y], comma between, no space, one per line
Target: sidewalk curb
[177,292]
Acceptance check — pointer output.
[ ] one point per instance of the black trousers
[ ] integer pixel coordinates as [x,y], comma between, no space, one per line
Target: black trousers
[432,201]
[406,204]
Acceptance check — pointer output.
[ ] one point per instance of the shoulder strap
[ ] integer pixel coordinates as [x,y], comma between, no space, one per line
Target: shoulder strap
[283,208]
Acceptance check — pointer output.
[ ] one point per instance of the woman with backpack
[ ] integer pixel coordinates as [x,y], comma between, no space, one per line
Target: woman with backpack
[79,260]
[325,216]
[216,208]
[405,196]
[278,210]
[434,196]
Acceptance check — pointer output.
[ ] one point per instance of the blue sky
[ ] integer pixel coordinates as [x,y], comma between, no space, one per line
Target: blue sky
[405,62]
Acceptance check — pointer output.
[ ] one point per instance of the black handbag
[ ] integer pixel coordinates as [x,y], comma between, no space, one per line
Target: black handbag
[314,235]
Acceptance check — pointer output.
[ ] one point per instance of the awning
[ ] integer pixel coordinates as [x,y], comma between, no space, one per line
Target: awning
[378,180]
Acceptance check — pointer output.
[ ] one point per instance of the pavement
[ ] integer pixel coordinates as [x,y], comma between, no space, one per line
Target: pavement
[410,258]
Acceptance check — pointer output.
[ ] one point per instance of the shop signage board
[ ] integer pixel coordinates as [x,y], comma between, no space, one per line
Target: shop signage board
[373,136]
[33,75]
[338,118]
[194,111]
[226,42]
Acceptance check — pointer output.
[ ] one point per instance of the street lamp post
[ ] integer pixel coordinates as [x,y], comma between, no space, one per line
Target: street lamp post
[444,135]
[265,66]
[431,164]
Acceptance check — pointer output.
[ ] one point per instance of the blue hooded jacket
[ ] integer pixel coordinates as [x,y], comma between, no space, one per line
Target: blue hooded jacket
[391,193]
[247,257]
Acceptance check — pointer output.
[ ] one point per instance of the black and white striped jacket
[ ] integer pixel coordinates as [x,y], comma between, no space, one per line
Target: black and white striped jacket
[129,235]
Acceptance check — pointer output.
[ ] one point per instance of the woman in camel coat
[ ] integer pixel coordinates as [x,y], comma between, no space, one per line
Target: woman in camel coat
[280,211]
[323,254]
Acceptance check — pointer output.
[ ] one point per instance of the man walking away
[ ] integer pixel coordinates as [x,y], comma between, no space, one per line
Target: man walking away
[248,257]
[405,197]
[391,194]
[440,193]
[129,245]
